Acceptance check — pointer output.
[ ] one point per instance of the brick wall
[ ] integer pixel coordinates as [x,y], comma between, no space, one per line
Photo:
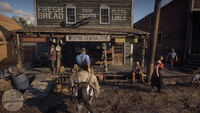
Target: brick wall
[173,26]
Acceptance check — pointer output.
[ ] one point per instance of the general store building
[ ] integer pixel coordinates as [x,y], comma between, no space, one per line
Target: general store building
[84,23]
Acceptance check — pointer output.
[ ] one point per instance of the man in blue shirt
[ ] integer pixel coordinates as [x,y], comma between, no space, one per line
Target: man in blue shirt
[83,60]
[172,58]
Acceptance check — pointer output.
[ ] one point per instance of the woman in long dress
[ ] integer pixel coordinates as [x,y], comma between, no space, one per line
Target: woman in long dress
[157,77]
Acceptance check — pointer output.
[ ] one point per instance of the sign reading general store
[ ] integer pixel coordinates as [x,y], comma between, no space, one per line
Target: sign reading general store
[87,38]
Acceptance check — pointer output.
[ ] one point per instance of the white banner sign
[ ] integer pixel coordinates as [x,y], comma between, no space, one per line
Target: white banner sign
[87,38]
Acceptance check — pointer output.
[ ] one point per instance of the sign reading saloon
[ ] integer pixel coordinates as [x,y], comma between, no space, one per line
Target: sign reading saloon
[87,38]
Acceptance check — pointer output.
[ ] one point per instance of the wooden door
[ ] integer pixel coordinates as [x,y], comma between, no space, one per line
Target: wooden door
[118,54]
[27,53]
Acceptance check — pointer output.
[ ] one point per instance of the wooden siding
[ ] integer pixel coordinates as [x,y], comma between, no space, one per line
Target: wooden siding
[120,12]
[3,48]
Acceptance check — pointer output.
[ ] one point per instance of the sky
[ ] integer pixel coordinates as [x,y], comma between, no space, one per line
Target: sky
[25,8]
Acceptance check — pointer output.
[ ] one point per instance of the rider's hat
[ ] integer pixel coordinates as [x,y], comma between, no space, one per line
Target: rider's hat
[52,46]
[83,49]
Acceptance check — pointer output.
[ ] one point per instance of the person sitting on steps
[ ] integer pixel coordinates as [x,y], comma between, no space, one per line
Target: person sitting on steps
[137,72]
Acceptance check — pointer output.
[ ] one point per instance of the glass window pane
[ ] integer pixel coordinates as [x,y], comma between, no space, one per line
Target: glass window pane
[104,15]
[70,14]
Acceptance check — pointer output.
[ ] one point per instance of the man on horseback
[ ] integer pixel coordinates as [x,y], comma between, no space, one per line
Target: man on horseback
[85,83]
[83,60]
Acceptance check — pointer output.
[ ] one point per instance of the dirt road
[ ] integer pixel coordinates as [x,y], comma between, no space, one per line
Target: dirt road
[123,99]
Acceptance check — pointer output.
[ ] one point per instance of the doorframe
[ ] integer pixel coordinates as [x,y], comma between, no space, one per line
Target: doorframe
[123,56]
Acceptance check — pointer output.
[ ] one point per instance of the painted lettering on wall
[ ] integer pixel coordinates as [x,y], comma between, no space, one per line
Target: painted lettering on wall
[118,14]
[87,13]
[50,12]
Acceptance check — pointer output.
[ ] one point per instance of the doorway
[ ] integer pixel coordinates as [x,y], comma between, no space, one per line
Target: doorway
[196,34]
[118,54]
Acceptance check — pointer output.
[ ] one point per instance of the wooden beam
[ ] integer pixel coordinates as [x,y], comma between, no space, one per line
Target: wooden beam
[58,56]
[105,58]
[132,14]
[143,52]
[19,59]
[154,40]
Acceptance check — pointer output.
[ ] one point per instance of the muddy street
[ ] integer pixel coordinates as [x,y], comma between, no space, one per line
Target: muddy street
[123,99]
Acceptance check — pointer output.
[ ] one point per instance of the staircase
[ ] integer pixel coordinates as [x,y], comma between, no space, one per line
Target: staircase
[192,64]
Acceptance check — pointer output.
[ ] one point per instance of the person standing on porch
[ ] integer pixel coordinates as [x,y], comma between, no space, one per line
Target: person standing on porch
[172,57]
[52,59]
[83,60]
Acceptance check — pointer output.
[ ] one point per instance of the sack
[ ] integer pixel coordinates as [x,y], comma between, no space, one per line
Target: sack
[100,76]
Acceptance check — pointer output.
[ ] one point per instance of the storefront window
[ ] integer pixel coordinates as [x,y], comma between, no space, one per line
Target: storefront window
[71,14]
[104,15]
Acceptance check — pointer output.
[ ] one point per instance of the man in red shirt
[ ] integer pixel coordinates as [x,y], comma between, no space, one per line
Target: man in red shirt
[52,58]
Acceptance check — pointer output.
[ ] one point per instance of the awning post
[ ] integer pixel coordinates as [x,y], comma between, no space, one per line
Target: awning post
[19,59]
[105,58]
[143,51]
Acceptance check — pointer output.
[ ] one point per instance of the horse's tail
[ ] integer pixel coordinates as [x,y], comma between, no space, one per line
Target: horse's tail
[86,100]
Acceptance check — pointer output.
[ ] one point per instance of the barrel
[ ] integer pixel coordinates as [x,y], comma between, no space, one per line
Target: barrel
[20,82]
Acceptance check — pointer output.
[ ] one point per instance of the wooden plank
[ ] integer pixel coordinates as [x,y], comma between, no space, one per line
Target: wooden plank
[183,76]
[116,81]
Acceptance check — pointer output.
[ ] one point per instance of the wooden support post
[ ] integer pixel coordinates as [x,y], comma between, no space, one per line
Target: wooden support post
[153,42]
[143,51]
[19,58]
[132,14]
[58,49]
[105,58]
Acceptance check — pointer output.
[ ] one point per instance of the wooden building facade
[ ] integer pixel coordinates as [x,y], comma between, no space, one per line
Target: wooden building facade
[91,24]
[7,51]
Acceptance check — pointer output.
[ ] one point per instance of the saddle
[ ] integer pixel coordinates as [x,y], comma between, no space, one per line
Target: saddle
[84,85]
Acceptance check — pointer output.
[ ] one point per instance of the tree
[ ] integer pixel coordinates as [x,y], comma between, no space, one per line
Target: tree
[22,21]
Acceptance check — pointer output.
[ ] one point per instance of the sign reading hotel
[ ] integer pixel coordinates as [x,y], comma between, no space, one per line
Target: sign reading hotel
[50,12]
[87,38]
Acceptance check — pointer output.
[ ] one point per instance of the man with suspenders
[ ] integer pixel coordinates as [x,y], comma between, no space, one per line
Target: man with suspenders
[83,60]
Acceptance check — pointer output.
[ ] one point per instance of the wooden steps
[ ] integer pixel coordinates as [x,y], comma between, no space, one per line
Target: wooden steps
[192,64]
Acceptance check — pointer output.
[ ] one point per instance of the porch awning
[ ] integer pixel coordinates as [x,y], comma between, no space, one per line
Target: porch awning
[103,31]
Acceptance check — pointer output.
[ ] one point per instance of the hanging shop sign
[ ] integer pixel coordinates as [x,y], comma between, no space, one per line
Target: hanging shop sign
[120,40]
[87,38]
[34,40]
[123,40]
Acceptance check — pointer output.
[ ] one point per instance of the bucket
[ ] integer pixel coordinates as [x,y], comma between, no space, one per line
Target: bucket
[20,82]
